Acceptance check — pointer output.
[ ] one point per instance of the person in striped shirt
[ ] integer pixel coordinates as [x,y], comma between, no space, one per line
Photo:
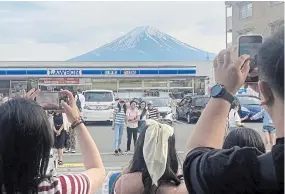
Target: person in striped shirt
[26,140]
[153,112]
[119,125]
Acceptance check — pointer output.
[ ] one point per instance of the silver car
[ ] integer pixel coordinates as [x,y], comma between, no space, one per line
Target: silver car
[161,104]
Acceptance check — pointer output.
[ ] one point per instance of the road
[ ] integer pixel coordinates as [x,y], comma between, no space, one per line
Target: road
[104,135]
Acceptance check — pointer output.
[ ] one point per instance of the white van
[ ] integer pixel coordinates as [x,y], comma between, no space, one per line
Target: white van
[99,105]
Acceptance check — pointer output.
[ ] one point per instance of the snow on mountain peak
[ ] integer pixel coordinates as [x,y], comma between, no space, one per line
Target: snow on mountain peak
[131,39]
[146,43]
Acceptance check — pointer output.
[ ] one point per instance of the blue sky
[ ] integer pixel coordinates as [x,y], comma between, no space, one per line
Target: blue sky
[56,31]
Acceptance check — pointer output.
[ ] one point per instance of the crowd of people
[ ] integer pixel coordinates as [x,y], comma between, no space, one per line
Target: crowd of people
[213,164]
[133,117]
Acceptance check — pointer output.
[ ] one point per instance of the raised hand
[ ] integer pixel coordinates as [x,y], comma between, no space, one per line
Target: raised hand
[32,94]
[231,74]
[70,108]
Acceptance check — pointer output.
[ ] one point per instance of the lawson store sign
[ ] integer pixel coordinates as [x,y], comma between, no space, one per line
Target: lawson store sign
[92,72]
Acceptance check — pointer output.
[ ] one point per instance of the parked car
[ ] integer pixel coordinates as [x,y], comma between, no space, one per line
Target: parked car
[191,107]
[249,105]
[161,104]
[166,99]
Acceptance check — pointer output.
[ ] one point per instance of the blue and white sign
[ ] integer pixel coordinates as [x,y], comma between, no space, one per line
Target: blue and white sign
[96,72]
[64,72]
[111,72]
[130,72]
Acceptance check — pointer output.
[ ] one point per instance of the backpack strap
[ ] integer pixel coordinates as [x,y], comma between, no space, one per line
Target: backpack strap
[268,179]
[112,182]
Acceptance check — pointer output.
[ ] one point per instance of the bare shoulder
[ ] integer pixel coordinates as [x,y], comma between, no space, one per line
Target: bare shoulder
[173,189]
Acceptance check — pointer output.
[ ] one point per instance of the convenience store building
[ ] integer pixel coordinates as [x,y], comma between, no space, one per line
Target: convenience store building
[126,79]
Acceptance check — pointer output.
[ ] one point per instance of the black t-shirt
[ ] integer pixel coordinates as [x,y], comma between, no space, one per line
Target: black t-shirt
[58,121]
[233,171]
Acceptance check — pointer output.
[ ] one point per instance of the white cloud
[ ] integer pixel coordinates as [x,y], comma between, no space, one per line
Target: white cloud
[62,30]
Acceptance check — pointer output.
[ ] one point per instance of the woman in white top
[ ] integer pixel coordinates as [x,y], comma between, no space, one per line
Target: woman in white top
[143,116]
[143,111]
[234,118]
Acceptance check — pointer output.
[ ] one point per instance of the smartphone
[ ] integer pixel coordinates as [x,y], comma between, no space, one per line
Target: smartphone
[249,45]
[50,101]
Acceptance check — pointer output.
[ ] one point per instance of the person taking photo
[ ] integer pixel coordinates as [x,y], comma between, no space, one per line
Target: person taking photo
[210,169]
[26,140]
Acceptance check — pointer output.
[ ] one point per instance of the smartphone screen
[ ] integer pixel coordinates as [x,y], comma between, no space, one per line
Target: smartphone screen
[249,45]
[50,101]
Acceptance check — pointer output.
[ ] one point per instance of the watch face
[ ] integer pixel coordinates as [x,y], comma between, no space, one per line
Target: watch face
[216,90]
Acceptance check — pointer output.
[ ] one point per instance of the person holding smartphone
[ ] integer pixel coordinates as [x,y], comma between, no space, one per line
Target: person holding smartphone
[26,141]
[210,169]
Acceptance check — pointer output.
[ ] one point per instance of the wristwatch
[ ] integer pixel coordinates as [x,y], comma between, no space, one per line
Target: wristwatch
[219,91]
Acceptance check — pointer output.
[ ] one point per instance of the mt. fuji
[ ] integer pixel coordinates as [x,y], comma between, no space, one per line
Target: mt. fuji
[146,43]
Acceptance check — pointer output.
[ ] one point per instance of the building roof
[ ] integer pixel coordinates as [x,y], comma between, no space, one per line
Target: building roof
[70,64]
[203,68]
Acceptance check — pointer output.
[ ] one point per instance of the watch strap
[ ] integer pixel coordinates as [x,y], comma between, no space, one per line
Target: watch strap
[228,97]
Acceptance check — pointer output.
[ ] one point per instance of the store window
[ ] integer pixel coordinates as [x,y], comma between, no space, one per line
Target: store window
[4,89]
[106,84]
[180,83]
[18,88]
[129,94]
[199,88]
[245,10]
[129,83]
[151,93]
[155,83]
[4,84]
[32,83]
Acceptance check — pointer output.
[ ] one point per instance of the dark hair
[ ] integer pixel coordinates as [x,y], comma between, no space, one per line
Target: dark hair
[244,137]
[143,111]
[138,165]
[25,143]
[234,104]
[143,102]
[124,107]
[270,60]
[133,101]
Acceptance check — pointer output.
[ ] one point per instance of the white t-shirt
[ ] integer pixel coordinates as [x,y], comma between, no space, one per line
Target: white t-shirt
[82,100]
[234,118]
[145,115]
